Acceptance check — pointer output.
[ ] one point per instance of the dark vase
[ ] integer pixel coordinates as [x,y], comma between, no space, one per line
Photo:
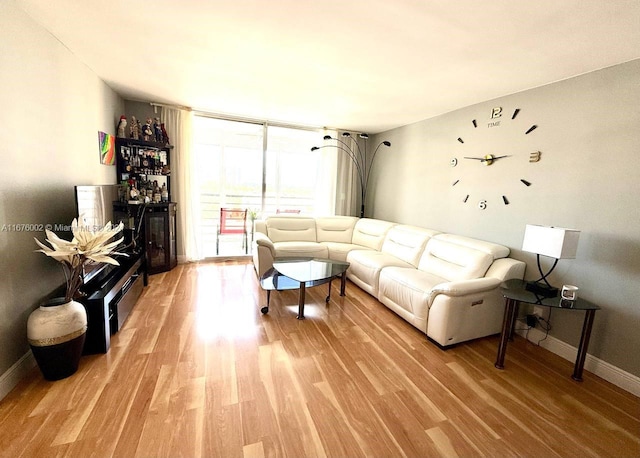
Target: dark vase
[56,331]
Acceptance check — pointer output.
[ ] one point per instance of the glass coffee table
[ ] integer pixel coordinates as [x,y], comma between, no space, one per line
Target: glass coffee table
[301,273]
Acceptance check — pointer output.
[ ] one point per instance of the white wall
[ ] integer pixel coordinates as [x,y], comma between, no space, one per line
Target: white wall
[52,109]
[588,179]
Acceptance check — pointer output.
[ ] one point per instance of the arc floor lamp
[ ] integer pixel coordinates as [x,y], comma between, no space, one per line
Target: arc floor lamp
[358,157]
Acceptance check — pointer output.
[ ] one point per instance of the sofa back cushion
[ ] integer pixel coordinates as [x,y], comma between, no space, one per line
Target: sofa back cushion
[370,233]
[260,225]
[291,229]
[407,242]
[455,257]
[335,228]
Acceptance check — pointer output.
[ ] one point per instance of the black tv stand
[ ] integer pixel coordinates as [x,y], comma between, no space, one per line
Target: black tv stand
[109,300]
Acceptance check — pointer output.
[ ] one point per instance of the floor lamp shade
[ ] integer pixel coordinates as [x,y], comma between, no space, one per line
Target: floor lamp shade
[555,242]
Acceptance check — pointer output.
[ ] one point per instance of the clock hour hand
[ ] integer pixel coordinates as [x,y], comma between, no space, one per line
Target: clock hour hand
[476,158]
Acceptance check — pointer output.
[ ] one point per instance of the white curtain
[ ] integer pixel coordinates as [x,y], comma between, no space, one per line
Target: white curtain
[348,184]
[327,180]
[179,126]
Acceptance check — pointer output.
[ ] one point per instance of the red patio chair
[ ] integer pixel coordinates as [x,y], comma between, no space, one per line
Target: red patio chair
[233,221]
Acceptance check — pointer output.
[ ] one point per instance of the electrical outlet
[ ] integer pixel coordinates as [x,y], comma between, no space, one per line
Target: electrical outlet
[532,320]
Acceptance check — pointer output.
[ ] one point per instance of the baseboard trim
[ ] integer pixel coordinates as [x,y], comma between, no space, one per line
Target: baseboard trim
[607,371]
[15,373]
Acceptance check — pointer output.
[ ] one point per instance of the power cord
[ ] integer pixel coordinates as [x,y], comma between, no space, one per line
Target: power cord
[524,319]
[546,325]
[532,321]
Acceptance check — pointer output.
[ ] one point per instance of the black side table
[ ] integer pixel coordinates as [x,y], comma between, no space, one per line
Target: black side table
[514,292]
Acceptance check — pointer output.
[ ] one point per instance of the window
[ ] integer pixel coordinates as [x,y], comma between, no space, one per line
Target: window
[297,179]
[234,165]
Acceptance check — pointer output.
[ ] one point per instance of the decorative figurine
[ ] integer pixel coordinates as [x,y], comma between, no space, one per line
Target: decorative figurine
[157,130]
[133,194]
[147,133]
[121,126]
[134,129]
[165,136]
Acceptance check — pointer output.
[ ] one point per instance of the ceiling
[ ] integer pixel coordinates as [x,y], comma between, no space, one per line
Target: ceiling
[361,65]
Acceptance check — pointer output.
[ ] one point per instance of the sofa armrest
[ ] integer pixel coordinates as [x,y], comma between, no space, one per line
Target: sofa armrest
[464,310]
[464,287]
[263,241]
[506,268]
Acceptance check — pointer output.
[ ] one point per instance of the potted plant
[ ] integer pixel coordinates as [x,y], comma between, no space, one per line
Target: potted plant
[253,213]
[56,330]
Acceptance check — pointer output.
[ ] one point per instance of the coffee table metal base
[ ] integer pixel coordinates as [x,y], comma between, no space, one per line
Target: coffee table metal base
[302,295]
[275,280]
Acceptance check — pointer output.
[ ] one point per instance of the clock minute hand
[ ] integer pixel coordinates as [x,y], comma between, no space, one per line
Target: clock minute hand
[476,158]
[485,159]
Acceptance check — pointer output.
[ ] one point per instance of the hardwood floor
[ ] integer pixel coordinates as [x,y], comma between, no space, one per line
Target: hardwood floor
[197,371]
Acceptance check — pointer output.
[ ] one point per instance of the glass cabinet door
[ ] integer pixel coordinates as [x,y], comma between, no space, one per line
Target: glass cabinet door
[156,227]
[173,249]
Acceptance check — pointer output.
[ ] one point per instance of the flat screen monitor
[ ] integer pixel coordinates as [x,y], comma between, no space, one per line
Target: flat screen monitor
[94,203]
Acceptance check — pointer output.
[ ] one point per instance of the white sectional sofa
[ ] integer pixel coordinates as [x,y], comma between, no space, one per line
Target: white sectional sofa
[445,285]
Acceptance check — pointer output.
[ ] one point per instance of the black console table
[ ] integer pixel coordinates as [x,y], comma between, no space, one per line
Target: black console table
[515,292]
[110,298]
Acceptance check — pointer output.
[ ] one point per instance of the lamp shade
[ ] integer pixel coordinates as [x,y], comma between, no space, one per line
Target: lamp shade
[555,242]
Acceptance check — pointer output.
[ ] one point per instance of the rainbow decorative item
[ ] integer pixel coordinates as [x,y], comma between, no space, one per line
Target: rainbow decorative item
[107,148]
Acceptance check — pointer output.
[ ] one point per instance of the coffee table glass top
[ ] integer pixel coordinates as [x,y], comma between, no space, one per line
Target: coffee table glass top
[288,273]
[304,270]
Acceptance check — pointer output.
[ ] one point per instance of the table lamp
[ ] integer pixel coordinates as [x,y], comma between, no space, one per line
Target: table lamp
[554,242]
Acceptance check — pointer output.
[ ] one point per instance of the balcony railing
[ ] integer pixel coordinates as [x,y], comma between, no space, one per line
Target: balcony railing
[210,204]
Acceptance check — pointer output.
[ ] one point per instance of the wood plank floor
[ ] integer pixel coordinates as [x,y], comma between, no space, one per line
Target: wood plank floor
[197,371]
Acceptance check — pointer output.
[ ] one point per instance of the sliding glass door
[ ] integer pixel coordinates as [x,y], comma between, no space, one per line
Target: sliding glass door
[265,169]
[297,179]
[228,158]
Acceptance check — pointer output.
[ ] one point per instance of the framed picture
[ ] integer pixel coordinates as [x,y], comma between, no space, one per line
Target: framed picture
[107,144]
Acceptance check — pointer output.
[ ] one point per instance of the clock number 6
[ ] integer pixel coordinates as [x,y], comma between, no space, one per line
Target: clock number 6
[482,205]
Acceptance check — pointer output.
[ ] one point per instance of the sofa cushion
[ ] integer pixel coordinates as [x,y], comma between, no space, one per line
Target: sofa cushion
[300,249]
[453,262]
[339,251]
[260,225]
[406,291]
[291,228]
[496,251]
[455,257]
[337,229]
[370,233]
[407,242]
[365,266]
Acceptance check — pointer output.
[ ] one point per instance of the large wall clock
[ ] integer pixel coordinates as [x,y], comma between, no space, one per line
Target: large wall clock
[493,153]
